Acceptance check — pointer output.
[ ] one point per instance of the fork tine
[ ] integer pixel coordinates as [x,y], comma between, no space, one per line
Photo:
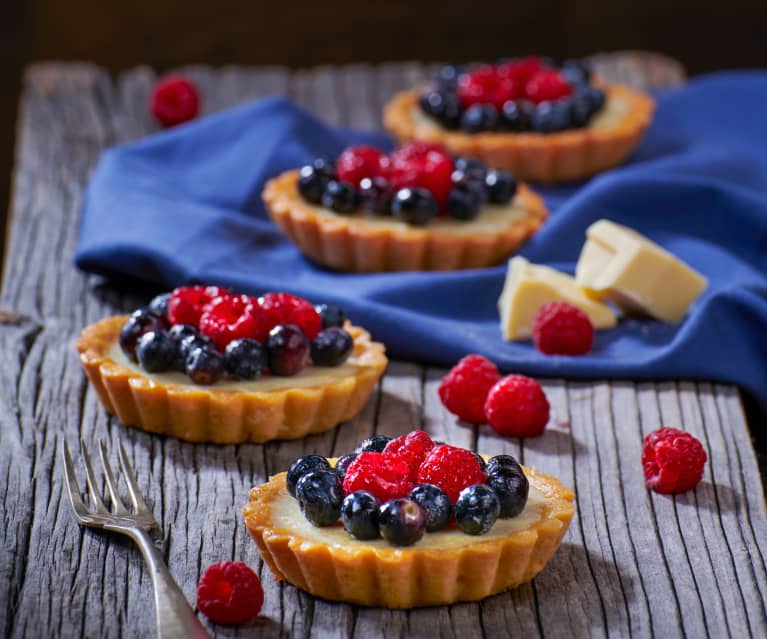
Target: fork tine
[73,488]
[90,479]
[117,502]
[130,480]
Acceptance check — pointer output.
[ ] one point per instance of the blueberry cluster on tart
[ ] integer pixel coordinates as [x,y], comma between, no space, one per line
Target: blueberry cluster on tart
[540,121]
[417,208]
[365,527]
[204,364]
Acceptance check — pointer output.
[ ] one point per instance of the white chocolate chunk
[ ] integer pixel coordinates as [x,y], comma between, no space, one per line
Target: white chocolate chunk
[640,277]
[530,286]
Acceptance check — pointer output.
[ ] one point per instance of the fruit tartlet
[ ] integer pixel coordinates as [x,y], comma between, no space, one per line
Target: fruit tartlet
[541,122]
[408,522]
[418,208]
[203,364]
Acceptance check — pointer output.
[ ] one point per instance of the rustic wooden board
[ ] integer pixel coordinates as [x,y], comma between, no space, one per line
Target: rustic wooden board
[633,563]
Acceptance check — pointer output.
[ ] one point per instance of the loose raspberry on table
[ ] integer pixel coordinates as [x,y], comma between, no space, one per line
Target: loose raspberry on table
[464,389]
[672,460]
[547,85]
[559,328]
[452,469]
[175,99]
[284,308]
[186,304]
[230,317]
[359,162]
[411,449]
[385,477]
[229,592]
[517,407]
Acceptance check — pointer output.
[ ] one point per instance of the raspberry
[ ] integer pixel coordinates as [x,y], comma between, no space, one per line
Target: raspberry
[174,100]
[411,449]
[359,162]
[517,407]
[284,308]
[487,86]
[423,165]
[229,592]
[672,460]
[521,70]
[464,389]
[228,318]
[385,477]
[451,469]
[560,328]
[547,85]
[186,303]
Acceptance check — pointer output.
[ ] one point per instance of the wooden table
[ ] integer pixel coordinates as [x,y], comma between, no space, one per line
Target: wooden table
[633,563]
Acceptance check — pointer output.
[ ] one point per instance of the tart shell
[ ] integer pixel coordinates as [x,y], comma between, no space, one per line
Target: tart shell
[223,416]
[415,576]
[349,243]
[552,157]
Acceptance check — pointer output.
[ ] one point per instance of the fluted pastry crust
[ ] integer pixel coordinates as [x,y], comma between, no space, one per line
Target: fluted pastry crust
[553,157]
[224,416]
[419,575]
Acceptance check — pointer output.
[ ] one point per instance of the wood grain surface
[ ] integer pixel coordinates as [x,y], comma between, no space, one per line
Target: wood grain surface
[633,563]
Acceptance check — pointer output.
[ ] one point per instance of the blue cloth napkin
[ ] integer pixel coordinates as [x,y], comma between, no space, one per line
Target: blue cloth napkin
[184,206]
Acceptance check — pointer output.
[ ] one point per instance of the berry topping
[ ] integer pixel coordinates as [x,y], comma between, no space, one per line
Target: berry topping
[464,203]
[501,186]
[284,308]
[177,334]
[159,304]
[141,321]
[464,389]
[414,206]
[190,343]
[331,347]
[547,85]
[521,70]
[343,464]
[174,100]
[376,195]
[319,494]
[517,407]
[358,162]
[359,514]
[443,106]
[187,303]
[486,86]
[435,504]
[503,462]
[672,460]
[576,71]
[312,183]
[451,469]
[330,315]
[423,165]
[411,449]
[341,197]
[560,328]
[511,488]
[301,466]
[155,352]
[479,117]
[401,521]
[481,462]
[229,592]
[374,444]
[245,358]
[230,317]
[384,477]
[551,117]
[287,349]
[476,509]
[205,365]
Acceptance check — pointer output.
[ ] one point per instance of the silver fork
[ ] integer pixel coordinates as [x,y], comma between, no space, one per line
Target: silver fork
[175,617]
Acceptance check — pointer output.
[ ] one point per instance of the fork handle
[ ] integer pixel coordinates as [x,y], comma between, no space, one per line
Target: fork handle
[175,617]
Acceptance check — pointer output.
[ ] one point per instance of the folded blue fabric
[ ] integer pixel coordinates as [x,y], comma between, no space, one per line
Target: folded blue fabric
[184,206]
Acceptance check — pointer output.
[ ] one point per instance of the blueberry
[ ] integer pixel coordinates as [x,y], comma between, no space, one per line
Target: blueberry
[476,509]
[205,365]
[443,106]
[159,304]
[464,203]
[287,349]
[312,183]
[301,466]
[414,206]
[320,494]
[374,444]
[179,332]
[330,315]
[245,358]
[359,514]
[449,74]
[376,194]
[481,462]
[551,117]
[479,117]
[511,488]
[341,197]
[502,461]
[343,464]
[471,180]
[155,352]
[470,168]
[141,321]
[581,110]
[401,521]
[325,166]
[576,71]
[331,347]
[187,343]
[588,99]
[435,503]
[516,115]
[501,186]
